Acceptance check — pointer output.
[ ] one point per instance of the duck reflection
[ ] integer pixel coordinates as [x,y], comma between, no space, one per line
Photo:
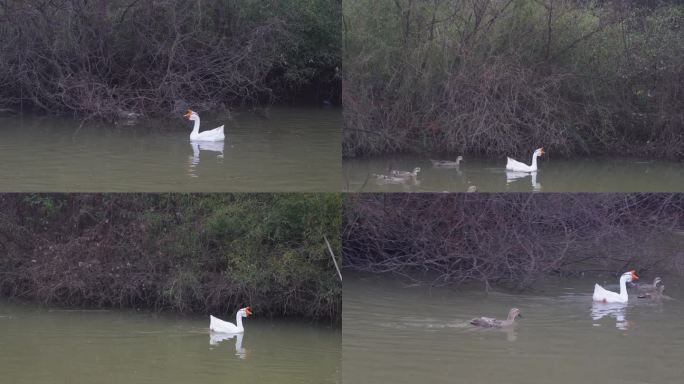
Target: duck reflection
[197,147]
[513,176]
[386,180]
[510,332]
[215,338]
[618,311]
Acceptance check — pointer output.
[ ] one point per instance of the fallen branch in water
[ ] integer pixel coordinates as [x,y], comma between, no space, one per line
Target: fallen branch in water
[332,255]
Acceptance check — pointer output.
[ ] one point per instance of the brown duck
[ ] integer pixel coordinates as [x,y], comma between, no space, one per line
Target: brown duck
[651,291]
[490,322]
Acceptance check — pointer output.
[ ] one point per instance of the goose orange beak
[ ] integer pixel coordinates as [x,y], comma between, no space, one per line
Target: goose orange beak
[248,310]
[634,276]
[542,151]
[188,114]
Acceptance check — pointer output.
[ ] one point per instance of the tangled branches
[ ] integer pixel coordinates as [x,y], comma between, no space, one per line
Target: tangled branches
[108,58]
[185,253]
[501,77]
[512,238]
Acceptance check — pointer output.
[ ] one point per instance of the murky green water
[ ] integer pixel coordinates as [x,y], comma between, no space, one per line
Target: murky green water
[554,175]
[58,346]
[395,334]
[294,150]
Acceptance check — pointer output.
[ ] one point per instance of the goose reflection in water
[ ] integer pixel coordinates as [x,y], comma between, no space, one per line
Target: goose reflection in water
[513,176]
[618,311]
[197,147]
[215,338]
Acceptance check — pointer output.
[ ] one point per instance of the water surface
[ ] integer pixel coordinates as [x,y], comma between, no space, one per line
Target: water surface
[603,174]
[398,334]
[295,149]
[65,346]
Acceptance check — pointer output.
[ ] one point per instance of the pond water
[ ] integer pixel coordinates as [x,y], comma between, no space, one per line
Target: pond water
[64,346]
[393,333]
[554,175]
[295,149]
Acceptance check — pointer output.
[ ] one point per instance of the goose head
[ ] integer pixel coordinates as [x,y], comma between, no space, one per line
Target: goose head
[416,170]
[191,115]
[514,313]
[459,159]
[629,276]
[539,152]
[244,312]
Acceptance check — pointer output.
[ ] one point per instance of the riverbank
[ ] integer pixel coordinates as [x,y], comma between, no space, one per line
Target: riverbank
[115,59]
[512,239]
[503,78]
[188,253]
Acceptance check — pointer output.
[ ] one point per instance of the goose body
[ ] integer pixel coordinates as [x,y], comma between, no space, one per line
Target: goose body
[405,174]
[515,165]
[447,163]
[215,134]
[221,326]
[606,296]
[490,322]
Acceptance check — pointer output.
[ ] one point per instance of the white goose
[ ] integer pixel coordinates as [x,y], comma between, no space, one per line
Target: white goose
[606,296]
[215,134]
[514,165]
[218,325]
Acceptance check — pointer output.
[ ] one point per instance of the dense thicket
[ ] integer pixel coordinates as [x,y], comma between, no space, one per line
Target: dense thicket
[187,253]
[510,238]
[108,58]
[506,76]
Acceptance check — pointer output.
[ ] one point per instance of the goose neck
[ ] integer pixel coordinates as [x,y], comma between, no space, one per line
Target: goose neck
[238,322]
[195,129]
[623,287]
